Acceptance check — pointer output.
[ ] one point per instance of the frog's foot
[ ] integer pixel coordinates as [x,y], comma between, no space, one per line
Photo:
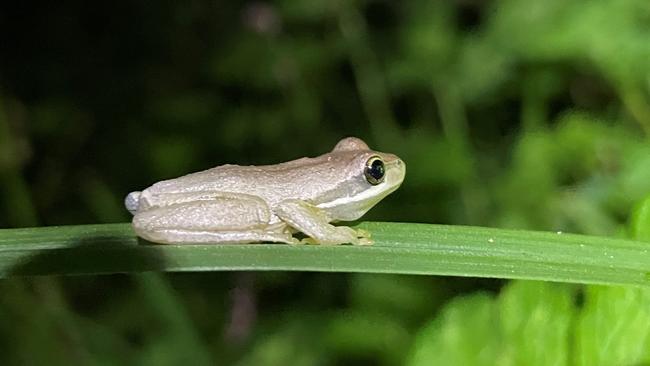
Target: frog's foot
[364,237]
[312,241]
[347,235]
[314,222]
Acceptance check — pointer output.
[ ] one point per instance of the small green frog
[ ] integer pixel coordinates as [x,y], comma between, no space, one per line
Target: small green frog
[244,204]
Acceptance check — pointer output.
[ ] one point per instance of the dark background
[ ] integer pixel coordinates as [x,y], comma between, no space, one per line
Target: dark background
[520,114]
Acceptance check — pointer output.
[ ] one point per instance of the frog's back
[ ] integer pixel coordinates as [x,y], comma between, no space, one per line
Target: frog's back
[222,178]
[302,179]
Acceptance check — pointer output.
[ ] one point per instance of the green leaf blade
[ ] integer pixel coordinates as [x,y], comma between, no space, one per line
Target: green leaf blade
[399,248]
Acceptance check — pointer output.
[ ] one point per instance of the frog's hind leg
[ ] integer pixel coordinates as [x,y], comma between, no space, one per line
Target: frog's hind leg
[182,236]
[224,218]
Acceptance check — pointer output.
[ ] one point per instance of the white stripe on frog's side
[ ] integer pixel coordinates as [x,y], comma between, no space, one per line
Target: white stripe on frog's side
[350,208]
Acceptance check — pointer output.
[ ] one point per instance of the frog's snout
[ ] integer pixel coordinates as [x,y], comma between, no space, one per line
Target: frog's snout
[393,161]
[396,169]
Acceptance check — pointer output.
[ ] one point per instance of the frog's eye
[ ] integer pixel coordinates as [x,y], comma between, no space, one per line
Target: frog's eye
[375,170]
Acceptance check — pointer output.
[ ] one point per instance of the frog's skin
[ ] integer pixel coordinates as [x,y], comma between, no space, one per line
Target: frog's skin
[244,204]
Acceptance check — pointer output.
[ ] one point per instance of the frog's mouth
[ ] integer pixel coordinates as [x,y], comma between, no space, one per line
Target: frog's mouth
[353,207]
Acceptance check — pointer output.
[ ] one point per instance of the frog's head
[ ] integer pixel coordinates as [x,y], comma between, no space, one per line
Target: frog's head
[369,177]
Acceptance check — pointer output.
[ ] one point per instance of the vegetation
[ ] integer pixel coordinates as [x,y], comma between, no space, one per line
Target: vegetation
[509,114]
[399,248]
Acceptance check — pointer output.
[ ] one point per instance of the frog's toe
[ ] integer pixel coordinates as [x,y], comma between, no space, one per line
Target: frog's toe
[365,241]
[294,241]
[308,241]
[363,233]
[363,237]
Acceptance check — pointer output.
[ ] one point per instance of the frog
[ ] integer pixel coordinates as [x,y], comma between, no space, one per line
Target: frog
[234,204]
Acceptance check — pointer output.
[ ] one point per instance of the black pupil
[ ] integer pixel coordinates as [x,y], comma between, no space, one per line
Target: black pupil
[376,169]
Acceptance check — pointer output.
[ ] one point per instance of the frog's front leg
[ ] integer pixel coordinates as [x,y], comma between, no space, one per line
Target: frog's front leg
[209,217]
[315,223]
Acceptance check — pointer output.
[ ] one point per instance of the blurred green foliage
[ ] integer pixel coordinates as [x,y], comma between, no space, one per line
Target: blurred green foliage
[524,114]
[532,323]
